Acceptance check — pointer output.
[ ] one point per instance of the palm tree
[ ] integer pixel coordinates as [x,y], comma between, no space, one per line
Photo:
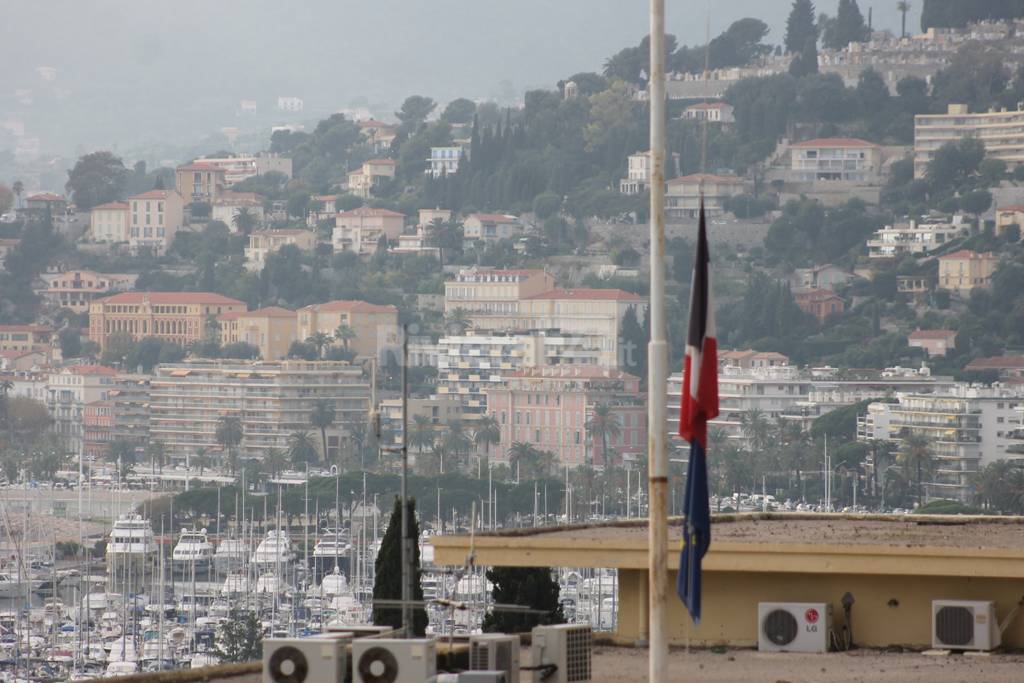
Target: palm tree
[301,448]
[322,417]
[916,454]
[229,435]
[487,432]
[320,341]
[756,428]
[344,334]
[201,459]
[604,424]
[275,461]
[157,455]
[5,386]
[521,453]
[903,7]
[455,439]
[422,434]
[244,220]
[18,187]
[457,321]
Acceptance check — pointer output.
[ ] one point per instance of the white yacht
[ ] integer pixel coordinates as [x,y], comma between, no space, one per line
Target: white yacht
[331,550]
[231,554]
[131,546]
[269,583]
[194,552]
[236,583]
[275,549]
[334,583]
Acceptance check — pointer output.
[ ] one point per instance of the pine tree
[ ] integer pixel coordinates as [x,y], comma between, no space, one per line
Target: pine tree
[387,582]
[850,26]
[800,26]
[532,587]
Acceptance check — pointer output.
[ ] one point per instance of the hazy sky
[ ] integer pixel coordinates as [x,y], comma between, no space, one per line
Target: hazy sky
[128,69]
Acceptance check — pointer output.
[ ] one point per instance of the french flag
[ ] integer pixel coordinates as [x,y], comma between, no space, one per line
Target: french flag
[699,405]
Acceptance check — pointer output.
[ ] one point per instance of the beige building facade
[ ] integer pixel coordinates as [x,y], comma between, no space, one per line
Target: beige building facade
[177,317]
[265,242]
[360,230]
[200,182]
[155,218]
[965,270]
[109,222]
[75,289]
[683,195]
[272,330]
[375,326]
[1002,133]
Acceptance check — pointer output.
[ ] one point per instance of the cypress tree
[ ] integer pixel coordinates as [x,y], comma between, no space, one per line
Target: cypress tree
[531,587]
[387,581]
[800,26]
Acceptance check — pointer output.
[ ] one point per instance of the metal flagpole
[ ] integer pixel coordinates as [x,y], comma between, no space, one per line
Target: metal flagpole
[657,366]
[408,571]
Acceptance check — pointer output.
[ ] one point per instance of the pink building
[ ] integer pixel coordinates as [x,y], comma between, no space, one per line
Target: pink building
[550,408]
[934,342]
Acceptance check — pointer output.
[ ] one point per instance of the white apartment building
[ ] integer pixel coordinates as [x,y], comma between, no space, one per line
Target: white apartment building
[109,222]
[968,428]
[156,217]
[262,243]
[68,390]
[287,103]
[638,174]
[443,161]
[360,230]
[1002,133]
[915,238]
[239,167]
[835,159]
[272,399]
[485,293]
[470,364]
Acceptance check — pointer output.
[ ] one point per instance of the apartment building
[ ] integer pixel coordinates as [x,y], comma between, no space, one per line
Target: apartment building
[378,134]
[683,195]
[835,159]
[375,326]
[68,391]
[915,238]
[490,227]
[27,338]
[712,112]
[967,429]
[239,167]
[1002,133]
[178,317]
[109,223]
[825,276]
[469,364]
[638,174]
[372,174]
[155,218]
[964,270]
[934,342]
[272,399]
[820,303]
[271,330]
[262,243]
[76,289]
[443,161]
[122,416]
[550,408]
[360,230]
[1012,214]
[491,296]
[200,182]
[229,204]
[428,216]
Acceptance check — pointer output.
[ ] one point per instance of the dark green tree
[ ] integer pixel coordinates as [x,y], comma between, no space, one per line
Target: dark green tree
[532,587]
[415,110]
[800,26]
[387,582]
[241,640]
[459,110]
[96,178]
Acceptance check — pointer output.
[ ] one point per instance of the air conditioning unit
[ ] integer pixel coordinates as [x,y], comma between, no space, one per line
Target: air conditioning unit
[361,630]
[793,626]
[318,659]
[495,652]
[393,660]
[965,625]
[566,647]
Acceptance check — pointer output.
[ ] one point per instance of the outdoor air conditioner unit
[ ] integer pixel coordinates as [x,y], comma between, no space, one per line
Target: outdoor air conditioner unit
[965,625]
[566,647]
[495,652]
[793,626]
[393,660]
[319,659]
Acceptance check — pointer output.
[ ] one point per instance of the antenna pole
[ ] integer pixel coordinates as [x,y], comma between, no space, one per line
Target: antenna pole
[657,364]
[408,571]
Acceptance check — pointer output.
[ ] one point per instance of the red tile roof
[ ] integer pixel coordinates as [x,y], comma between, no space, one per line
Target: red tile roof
[372,123]
[46,197]
[386,162]
[1017,208]
[708,105]
[493,217]
[111,206]
[706,177]
[91,370]
[271,312]
[931,334]
[153,194]
[170,298]
[996,363]
[199,166]
[589,294]
[351,306]
[967,254]
[834,142]
[367,212]
[816,295]
[26,328]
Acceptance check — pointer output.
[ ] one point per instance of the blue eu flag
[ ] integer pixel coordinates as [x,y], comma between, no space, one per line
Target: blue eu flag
[696,531]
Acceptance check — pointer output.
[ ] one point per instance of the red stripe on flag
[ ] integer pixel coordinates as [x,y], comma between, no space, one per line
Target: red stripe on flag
[695,411]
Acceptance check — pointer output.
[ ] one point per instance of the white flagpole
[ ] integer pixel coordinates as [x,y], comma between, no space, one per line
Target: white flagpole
[657,366]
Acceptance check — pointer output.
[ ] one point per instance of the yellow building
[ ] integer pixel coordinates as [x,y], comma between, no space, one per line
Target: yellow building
[26,338]
[1009,215]
[265,242]
[893,566]
[964,270]
[683,195]
[491,296]
[75,289]
[109,222]
[1002,133]
[371,174]
[360,230]
[199,182]
[154,219]
[375,326]
[178,317]
[271,330]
